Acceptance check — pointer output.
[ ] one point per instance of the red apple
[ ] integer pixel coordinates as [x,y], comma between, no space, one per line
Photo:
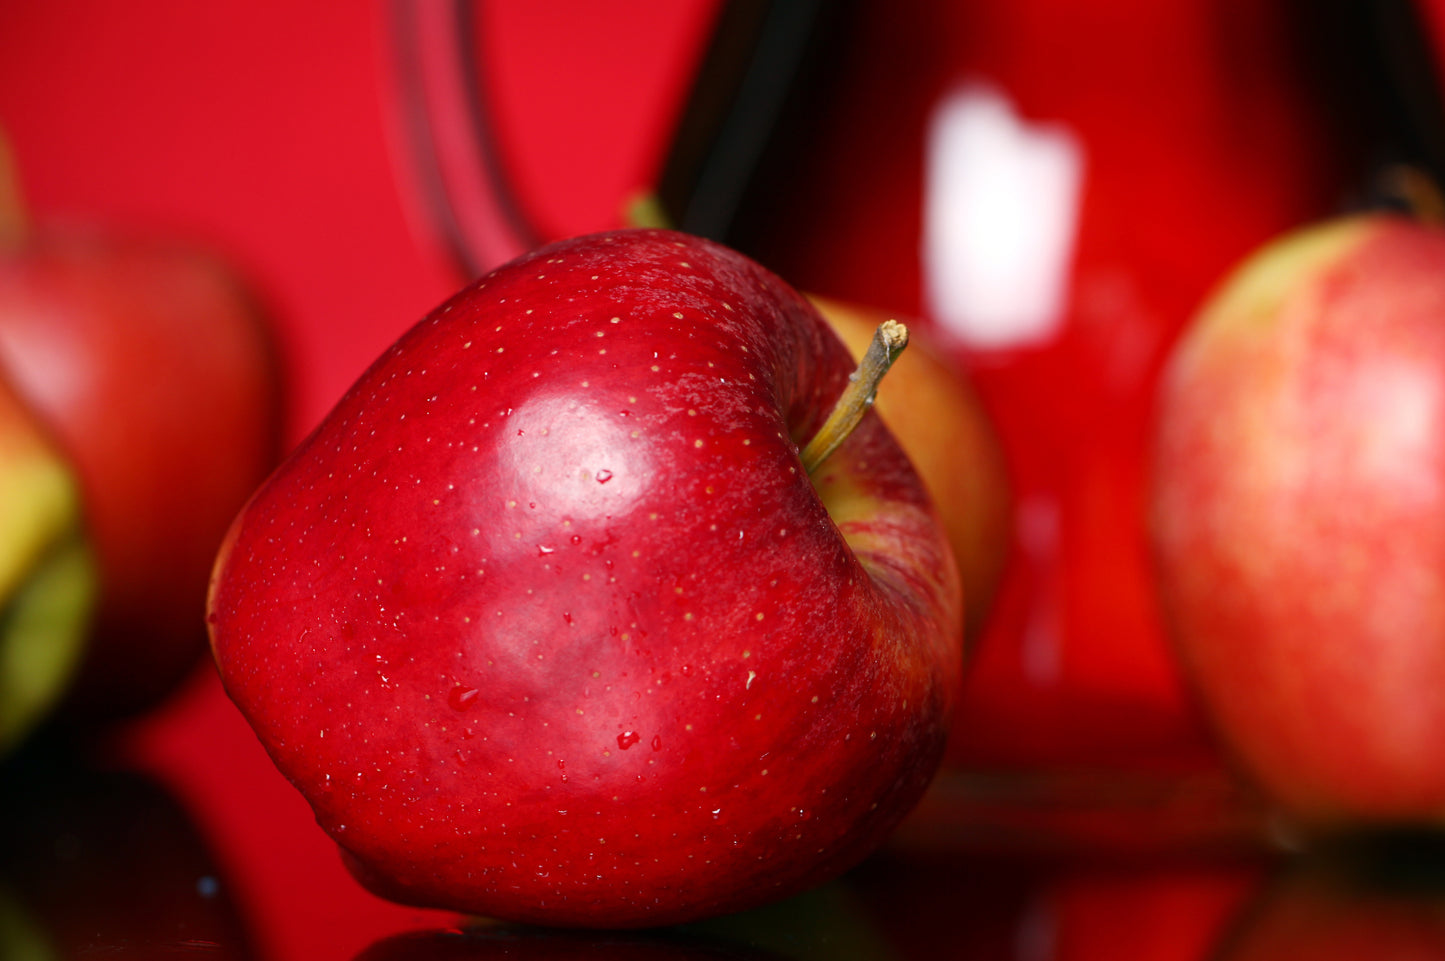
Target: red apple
[151,364]
[549,621]
[1299,518]
[939,422]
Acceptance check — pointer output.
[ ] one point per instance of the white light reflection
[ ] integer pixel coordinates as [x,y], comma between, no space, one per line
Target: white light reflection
[1001,207]
[578,455]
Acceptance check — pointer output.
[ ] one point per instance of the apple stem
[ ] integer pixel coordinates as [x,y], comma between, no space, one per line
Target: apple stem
[888,342]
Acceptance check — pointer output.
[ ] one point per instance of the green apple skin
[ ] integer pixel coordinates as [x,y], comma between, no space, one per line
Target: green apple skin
[152,365]
[47,580]
[548,622]
[1298,518]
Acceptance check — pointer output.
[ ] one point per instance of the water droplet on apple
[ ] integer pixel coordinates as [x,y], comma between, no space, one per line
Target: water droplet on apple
[562,766]
[604,475]
[462,697]
[567,616]
[657,742]
[543,551]
[628,738]
[576,538]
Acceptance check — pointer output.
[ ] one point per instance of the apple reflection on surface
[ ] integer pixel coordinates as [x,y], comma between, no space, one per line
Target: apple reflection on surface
[1022,910]
[533,944]
[105,863]
[1382,899]
[899,907]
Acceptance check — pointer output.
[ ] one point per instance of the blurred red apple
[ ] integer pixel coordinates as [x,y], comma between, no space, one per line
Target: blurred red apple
[1299,518]
[152,366]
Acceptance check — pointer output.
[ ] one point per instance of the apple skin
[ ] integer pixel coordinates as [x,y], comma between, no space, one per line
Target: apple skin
[47,582]
[547,621]
[153,367]
[1297,508]
[941,425]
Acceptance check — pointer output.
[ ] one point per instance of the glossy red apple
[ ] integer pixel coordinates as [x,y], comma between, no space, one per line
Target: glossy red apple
[549,621]
[1299,518]
[152,366]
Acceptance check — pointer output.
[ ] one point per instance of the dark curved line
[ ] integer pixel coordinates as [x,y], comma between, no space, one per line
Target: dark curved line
[418,125]
[743,132]
[493,167]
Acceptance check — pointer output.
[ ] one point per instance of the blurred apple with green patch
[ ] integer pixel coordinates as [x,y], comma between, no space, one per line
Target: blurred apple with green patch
[1299,519]
[149,367]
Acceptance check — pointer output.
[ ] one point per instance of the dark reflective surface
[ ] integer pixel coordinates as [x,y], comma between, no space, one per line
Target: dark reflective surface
[101,857]
[176,836]
[105,862]
[1379,897]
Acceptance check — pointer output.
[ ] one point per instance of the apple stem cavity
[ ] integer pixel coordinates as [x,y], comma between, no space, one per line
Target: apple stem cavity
[888,342]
